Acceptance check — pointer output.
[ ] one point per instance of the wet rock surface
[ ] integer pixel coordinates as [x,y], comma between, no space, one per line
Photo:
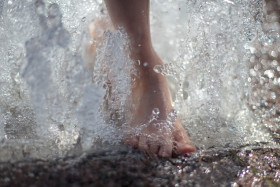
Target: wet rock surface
[130,168]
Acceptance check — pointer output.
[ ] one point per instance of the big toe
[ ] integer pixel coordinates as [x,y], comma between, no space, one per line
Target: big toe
[182,143]
[143,144]
[184,147]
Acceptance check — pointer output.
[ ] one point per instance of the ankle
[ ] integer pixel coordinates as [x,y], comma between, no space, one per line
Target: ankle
[141,50]
[145,57]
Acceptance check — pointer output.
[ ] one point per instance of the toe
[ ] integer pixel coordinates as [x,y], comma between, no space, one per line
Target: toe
[154,147]
[182,143]
[183,147]
[165,150]
[134,141]
[131,140]
[143,144]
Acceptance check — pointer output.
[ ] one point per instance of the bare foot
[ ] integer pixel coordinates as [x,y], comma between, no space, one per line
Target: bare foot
[155,127]
[153,124]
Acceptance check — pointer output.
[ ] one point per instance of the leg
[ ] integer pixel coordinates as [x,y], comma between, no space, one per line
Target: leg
[151,89]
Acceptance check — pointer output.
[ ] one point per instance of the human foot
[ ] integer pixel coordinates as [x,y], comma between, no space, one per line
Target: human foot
[155,128]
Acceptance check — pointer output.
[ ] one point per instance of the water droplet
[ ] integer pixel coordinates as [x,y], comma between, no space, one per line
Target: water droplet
[273,95]
[156,111]
[269,73]
[253,72]
[274,63]
[171,117]
[274,54]
[157,69]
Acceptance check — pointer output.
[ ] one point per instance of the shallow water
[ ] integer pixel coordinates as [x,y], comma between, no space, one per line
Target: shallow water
[221,59]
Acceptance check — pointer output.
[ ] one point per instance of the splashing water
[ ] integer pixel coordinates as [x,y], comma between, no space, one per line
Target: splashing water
[210,72]
[52,105]
[214,58]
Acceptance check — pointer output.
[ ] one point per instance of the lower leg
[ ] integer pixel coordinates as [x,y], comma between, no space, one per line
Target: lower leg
[133,16]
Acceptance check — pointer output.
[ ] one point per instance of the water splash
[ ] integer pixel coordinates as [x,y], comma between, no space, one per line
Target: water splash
[212,98]
[49,103]
[50,107]
[113,71]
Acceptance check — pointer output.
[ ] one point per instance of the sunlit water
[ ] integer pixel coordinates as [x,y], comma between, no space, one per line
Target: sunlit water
[52,104]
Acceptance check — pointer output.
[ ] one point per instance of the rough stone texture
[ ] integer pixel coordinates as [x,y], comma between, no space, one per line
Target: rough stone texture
[129,168]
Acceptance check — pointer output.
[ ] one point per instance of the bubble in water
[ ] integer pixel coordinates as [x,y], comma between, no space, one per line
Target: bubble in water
[157,69]
[156,111]
[171,117]
[155,115]
[269,73]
